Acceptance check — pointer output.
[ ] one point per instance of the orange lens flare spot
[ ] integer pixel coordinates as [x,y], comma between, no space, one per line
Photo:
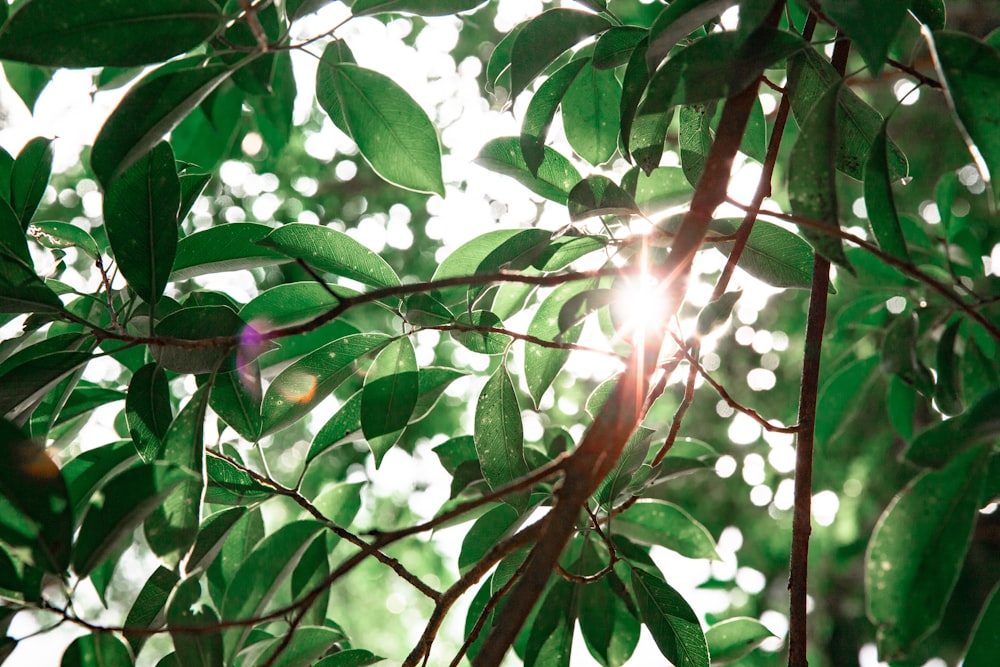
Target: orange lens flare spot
[300,388]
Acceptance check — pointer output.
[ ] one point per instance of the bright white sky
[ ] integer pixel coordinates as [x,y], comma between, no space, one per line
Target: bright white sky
[68,111]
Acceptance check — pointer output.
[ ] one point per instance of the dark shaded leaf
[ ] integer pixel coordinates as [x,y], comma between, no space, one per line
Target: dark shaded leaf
[939,444]
[550,638]
[670,620]
[984,644]
[89,470]
[879,201]
[917,550]
[499,435]
[198,649]
[871,26]
[615,47]
[152,108]
[140,217]
[228,485]
[96,650]
[677,20]
[419,7]
[63,33]
[147,410]
[148,610]
[30,174]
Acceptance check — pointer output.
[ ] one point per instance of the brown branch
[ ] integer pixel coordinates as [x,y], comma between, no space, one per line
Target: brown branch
[798,575]
[602,445]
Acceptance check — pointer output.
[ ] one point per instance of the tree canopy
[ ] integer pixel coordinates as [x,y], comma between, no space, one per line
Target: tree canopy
[691,341]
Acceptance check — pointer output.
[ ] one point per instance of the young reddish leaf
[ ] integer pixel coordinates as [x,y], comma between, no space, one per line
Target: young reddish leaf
[499,435]
[140,217]
[65,33]
[389,396]
[30,177]
[917,550]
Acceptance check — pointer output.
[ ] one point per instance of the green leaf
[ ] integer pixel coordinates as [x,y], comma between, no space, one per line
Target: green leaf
[485,533]
[198,649]
[59,235]
[63,33]
[871,26]
[148,609]
[929,12]
[89,470]
[261,575]
[211,537]
[479,335]
[147,410]
[392,131]
[550,639]
[970,72]
[228,485]
[809,77]
[716,313]
[297,389]
[343,426]
[542,364]
[939,444]
[229,247]
[96,650]
[615,46]
[140,217]
[900,355]
[917,550]
[659,189]
[22,386]
[149,110]
[543,38]
[634,83]
[30,175]
[21,290]
[499,435]
[984,644]
[310,573]
[352,657]
[555,177]
[590,114]
[126,500]
[838,394]
[948,384]
[493,251]
[668,525]
[389,396]
[236,397]
[28,81]
[695,139]
[598,196]
[419,7]
[677,20]
[331,251]
[172,528]
[879,201]
[812,184]
[12,239]
[542,109]
[31,484]
[733,638]
[670,619]
[307,645]
[196,323]
[608,620]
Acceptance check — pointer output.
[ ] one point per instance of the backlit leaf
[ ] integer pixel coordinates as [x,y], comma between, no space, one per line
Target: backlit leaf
[499,435]
[542,364]
[389,396]
[419,7]
[774,255]
[229,247]
[668,525]
[615,47]
[546,36]
[555,177]
[58,235]
[590,114]
[733,638]
[392,131]
[677,20]
[542,109]
[331,251]
[301,386]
